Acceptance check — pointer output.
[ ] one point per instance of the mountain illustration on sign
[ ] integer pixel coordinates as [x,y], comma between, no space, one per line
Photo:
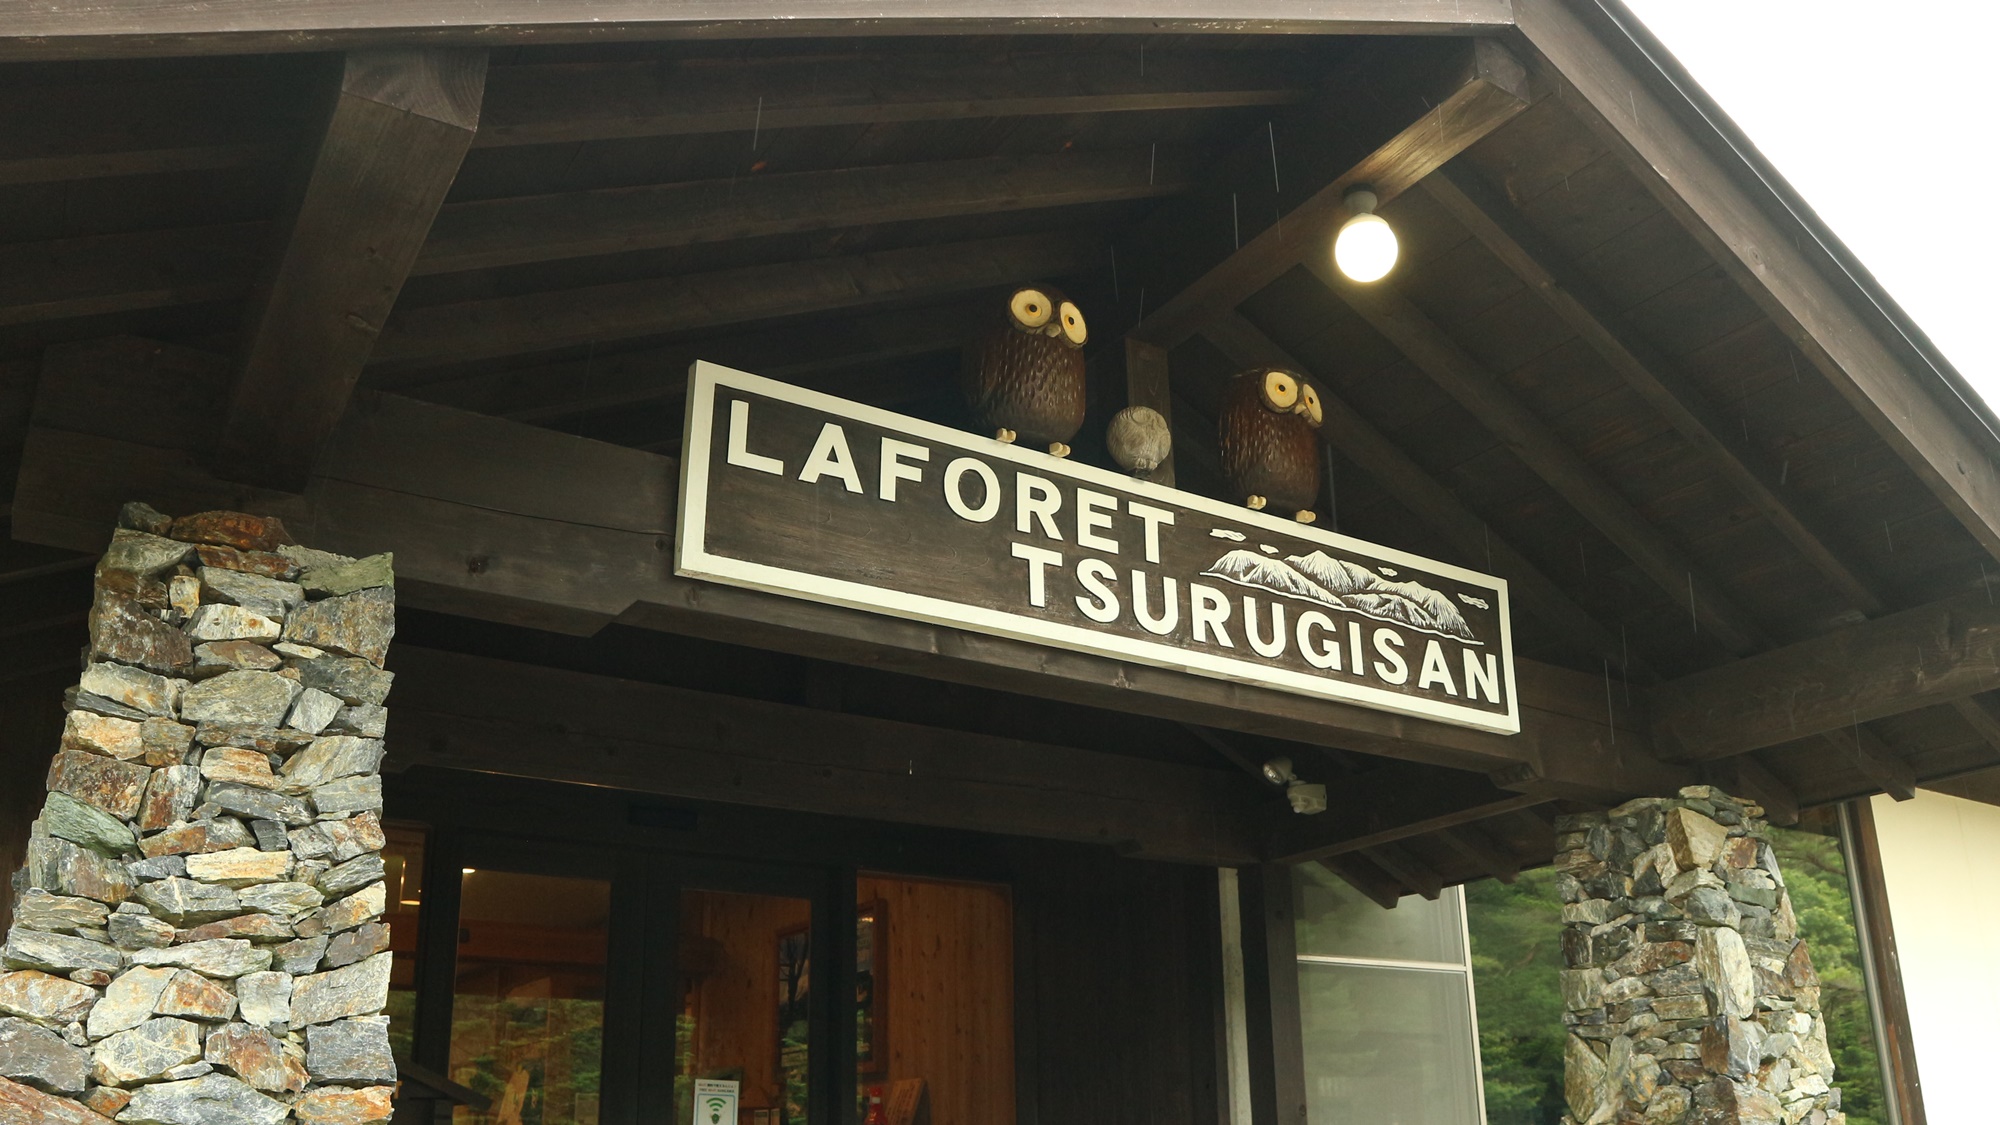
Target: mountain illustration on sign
[1344,585]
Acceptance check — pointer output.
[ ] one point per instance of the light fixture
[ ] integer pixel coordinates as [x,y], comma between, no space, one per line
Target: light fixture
[1306,797]
[1278,771]
[1365,248]
[467,870]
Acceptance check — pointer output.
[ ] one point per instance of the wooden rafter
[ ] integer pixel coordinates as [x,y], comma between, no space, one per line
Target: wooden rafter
[400,126]
[1413,873]
[1875,760]
[1384,123]
[540,228]
[1344,427]
[1911,410]
[1655,377]
[1472,843]
[550,393]
[565,104]
[1392,802]
[1917,658]
[1363,875]
[498,326]
[51,29]
[1745,776]
[1432,350]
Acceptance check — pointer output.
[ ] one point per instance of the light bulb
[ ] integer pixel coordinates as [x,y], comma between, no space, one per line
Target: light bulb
[1365,249]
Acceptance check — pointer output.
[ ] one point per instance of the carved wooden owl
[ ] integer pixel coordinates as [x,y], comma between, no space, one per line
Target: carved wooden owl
[1023,377]
[1268,431]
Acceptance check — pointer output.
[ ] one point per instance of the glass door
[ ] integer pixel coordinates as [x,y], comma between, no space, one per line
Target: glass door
[753,996]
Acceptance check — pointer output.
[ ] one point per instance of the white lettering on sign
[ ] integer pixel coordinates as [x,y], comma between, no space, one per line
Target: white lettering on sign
[962,531]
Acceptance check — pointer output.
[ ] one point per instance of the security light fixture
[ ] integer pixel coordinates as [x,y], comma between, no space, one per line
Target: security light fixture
[1278,771]
[1365,248]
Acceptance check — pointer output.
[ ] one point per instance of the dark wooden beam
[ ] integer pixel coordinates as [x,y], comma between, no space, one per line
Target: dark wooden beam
[1978,713]
[474,713]
[1430,501]
[1917,658]
[91,275]
[1392,802]
[1147,383]
[498,326]
[1650,373]
[1385,120]
[1408,870]
[1431,350]
[1875,759]
[35,30]
[568,103]
[78,128]
[1363,875]
[1745,776]
[842,351]
[508,522]
[539,228]
[399,128]
[1920,412]
[1475,845]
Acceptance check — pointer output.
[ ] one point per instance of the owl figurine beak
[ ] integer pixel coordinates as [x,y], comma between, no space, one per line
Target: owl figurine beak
[1301,407]
[1052,328]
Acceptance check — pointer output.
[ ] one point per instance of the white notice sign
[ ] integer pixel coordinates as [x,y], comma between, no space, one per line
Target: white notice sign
[715,1101]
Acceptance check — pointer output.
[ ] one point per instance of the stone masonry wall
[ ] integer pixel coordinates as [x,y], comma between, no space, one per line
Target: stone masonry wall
[197,935]
[1691,997]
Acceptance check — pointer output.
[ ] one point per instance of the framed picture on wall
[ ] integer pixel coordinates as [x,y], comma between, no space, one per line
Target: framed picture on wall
[871,994]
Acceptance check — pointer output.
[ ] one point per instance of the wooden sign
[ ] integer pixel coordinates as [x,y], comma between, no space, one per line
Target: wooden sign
[799,493]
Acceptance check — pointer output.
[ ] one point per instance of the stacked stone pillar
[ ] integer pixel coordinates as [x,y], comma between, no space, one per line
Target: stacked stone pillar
[1691,997]
[197,934]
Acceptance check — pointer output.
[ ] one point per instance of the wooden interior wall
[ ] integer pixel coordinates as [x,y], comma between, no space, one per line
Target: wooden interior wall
[1121,971]
[31,720]
[948,994]
[735,1003]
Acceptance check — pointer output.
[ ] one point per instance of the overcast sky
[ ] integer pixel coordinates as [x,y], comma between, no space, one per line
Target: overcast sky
[1876,114]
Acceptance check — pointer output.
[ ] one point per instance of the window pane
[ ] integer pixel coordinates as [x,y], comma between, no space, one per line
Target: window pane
[527,1021]
[1815,870]
[1387,1046]
[403,867]
[1335,920]
[1516,955]
[746,984]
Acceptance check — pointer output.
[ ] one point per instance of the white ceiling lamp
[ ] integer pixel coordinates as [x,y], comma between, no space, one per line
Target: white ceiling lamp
[1365,248]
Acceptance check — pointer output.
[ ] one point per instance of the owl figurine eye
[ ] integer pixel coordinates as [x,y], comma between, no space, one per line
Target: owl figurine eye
[1073,329]
[1031,309]
[1309,405]
[1281,391]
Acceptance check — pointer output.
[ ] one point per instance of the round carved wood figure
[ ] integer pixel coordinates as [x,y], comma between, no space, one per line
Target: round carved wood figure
[1024,376]
[1268,434]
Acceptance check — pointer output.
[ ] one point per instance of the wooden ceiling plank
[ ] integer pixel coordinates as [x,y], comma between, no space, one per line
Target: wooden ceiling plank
[50,29]
[399,129]
[1364,876]
[1427,499]
[1394,127]
[1978,713]
[539,104]
[1875,759]
[1407,869]
[1871,670]
[92,275]
[552,392]
[484,329]
[1475,845]
[1926,415]
[476,713]
[1648,371]
[1451,367]
[1391,802]
[508,232]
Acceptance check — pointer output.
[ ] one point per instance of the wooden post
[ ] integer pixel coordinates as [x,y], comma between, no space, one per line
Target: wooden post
[400,126]
[1271,997]
[1146,384]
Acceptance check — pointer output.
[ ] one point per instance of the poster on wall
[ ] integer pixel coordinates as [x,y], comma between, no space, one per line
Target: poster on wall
[794,492]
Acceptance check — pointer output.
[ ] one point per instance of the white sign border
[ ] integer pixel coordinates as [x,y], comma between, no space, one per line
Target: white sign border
[693,560]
